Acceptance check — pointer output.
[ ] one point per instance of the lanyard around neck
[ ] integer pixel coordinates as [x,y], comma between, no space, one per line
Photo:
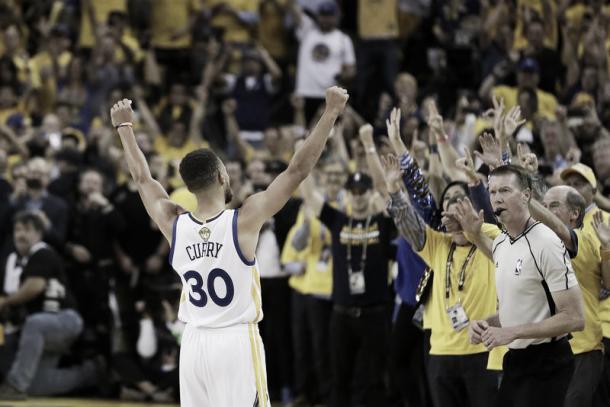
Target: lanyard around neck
[449,266]
[364,244]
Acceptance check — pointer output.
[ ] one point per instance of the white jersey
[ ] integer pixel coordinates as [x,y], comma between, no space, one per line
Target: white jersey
[529,268]
[220,287]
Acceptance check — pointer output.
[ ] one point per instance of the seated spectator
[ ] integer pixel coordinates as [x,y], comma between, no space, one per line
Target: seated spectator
[34,279]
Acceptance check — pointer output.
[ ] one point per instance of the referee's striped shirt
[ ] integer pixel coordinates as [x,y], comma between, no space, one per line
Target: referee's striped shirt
[528,269]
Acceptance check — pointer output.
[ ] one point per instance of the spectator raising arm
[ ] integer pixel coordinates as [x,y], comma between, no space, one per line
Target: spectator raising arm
[472,223]
[410,225]
[602,229]
[372,159]
[446,151]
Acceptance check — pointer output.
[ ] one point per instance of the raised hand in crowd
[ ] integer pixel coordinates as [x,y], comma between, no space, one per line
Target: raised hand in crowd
[602,230]
[467,166]
[527,159]
[393,128]
[492,151]
[392,173]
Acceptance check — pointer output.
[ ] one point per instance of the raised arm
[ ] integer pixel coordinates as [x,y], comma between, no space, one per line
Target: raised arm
[372,159]
[602,229]
[156,201]
[445,149]
[472,223]
[260,207]
[408,222]
[412,176]
[312,198]
[542,214]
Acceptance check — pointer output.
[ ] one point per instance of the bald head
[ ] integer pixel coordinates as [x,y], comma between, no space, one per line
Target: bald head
[567,204]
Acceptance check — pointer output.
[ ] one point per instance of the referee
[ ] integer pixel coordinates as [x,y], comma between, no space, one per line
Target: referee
[539,300]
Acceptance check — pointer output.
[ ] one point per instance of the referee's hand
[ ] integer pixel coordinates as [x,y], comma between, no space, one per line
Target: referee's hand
[475,331]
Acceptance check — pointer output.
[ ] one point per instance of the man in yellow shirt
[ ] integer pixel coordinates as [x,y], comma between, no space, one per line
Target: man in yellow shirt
[462,289]
[563,211]
[582,178]
[528,77]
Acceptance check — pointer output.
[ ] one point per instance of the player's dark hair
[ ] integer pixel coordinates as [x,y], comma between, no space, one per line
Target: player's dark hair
[523,178]
[576,202]
[29,218]
[199,169]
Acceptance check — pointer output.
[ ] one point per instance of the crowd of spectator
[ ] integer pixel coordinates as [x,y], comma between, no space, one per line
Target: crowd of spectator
[89,302]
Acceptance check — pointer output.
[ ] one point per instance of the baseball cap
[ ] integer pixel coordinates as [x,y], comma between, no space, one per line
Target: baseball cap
[529,65]
[359,181]
[583,170]
[328,8]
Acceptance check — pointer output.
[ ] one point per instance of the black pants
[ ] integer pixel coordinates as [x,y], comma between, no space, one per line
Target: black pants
[275,332]
[310,328]
[602,395]
[408,370]
[537,376]
[364,332]
[587,372]
[462,381]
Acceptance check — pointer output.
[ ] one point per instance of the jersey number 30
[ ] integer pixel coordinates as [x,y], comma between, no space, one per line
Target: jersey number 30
[197,288]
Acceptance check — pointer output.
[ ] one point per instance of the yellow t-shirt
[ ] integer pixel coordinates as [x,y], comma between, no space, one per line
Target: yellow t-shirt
[550,40]
[169,16]
[478,296]
[604,312]
[547,103]
[588,272]
[377,19]
[101,10]
[317,278]
[234,30]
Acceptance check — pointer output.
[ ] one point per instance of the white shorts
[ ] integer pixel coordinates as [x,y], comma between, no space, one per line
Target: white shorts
[223,367]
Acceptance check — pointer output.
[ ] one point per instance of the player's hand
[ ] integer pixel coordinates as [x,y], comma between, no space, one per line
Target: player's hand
[365,134]
[493,337]
[336,98]
[121,112]
[475,331]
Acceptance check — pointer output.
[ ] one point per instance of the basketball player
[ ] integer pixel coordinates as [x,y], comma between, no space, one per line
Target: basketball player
[222,362]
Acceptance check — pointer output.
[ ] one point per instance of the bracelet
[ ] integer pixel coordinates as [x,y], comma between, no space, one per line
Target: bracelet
[128,124]
[605,254]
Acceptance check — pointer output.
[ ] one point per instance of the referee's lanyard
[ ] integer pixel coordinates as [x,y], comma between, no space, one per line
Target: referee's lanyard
[462,275]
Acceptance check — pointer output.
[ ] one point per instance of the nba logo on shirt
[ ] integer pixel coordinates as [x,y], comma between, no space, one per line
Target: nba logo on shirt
[519,267]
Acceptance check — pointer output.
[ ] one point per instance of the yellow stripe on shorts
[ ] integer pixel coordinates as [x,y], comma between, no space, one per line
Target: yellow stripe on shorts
[258,374]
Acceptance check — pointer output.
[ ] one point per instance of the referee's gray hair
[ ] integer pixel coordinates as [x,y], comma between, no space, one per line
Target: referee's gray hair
[576,202]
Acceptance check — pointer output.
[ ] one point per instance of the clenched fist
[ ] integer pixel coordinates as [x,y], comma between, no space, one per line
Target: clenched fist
[121,112]
[336,98]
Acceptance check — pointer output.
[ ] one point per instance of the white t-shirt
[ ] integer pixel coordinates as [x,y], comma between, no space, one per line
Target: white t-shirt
[321,56]
[528,269]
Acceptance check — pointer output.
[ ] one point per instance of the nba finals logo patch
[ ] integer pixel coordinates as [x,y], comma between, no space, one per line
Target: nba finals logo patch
[205,233]
[519,267]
